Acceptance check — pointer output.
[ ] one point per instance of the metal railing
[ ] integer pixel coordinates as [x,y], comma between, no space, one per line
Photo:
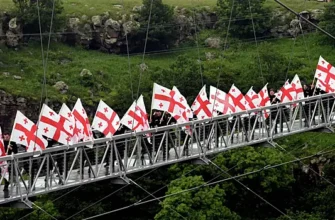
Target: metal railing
[62,167]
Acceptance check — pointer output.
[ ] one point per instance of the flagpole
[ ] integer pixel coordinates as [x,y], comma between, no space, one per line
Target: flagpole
[160,122]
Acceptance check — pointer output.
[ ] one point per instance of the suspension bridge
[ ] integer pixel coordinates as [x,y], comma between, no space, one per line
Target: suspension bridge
[38,173]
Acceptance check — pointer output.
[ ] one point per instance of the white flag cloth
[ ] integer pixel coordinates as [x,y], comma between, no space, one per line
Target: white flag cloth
[25,133]
[325,73]
[167,100]
[66,113]
[238,99]
[3,164]
[54,126]
[252,99]
[183,101]
[136,117]
[222,102]
[264,100]
[201,106]
[296,85]
[82,123]
[286,93]
[106,120]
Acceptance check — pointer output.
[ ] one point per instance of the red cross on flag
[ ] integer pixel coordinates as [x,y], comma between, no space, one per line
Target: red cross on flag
[183,101]
[329,88]
[3,164]
[296,85]
[237,98]
[106,120]
[201,106]
[165,99]
[82,123]
[66,113]
[136,118]
[325,73]
[286,93]
[2,146]
[222,102]
[54,126]
[25,133]
[264,100]
[251,99]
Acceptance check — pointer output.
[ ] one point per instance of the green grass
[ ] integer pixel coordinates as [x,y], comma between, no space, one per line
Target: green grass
[90,7]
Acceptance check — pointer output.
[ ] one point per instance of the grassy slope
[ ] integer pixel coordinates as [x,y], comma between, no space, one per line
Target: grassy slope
[90,7]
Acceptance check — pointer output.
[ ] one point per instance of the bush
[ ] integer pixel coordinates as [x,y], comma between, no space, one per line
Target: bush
[328,21]
[26,11]
[241,24]
[161,28]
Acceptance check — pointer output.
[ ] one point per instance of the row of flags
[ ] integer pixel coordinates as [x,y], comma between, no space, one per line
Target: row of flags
[72,126]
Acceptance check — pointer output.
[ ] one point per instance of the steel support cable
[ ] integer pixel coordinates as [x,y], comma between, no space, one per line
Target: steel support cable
[222,54]
[44,211]
[128,56]
[258,55]
[306,46]
[210,184]
[290,59]
[197,43]
[109,195]
[139,186]
[297,158]
[253,192]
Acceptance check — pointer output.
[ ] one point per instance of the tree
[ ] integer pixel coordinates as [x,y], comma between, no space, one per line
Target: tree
[26,11]
[161,30]
[328,21]
[241,24]
[204,203]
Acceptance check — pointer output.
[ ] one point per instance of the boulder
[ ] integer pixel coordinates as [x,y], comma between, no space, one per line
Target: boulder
[213,42]
[137,8]
[74,23]
[316,14]
[131,27]
[61,87]
[97,21]
[115,25]
[17,77]
[12,25]
[118,6]
[85,72]
[6,74]
[210,56]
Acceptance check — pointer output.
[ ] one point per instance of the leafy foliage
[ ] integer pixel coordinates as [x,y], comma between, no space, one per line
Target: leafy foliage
[27,12]
[205,203]
[328,21]
[160,32]
[241,24]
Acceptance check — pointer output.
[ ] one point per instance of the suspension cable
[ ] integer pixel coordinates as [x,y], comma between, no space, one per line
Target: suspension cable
[222,54]
[128,57]
[197,43]
[258,55]
[210,183]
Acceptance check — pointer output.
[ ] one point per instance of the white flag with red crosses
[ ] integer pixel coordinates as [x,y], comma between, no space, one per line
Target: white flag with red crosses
[25,133]
[106,120]
[82,123]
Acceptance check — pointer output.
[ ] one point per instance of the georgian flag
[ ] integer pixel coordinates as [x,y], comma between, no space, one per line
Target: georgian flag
[286,93]
[252,99]
[66,113]
[136,117]
[106,120]
[325,73]
[201,106]
[82,123]
[167,100]
[222,102]
[2,146]
[54,126]
[25,133]
[264,100]
[238,99]
[3,164]
[183,101]
[296,85]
